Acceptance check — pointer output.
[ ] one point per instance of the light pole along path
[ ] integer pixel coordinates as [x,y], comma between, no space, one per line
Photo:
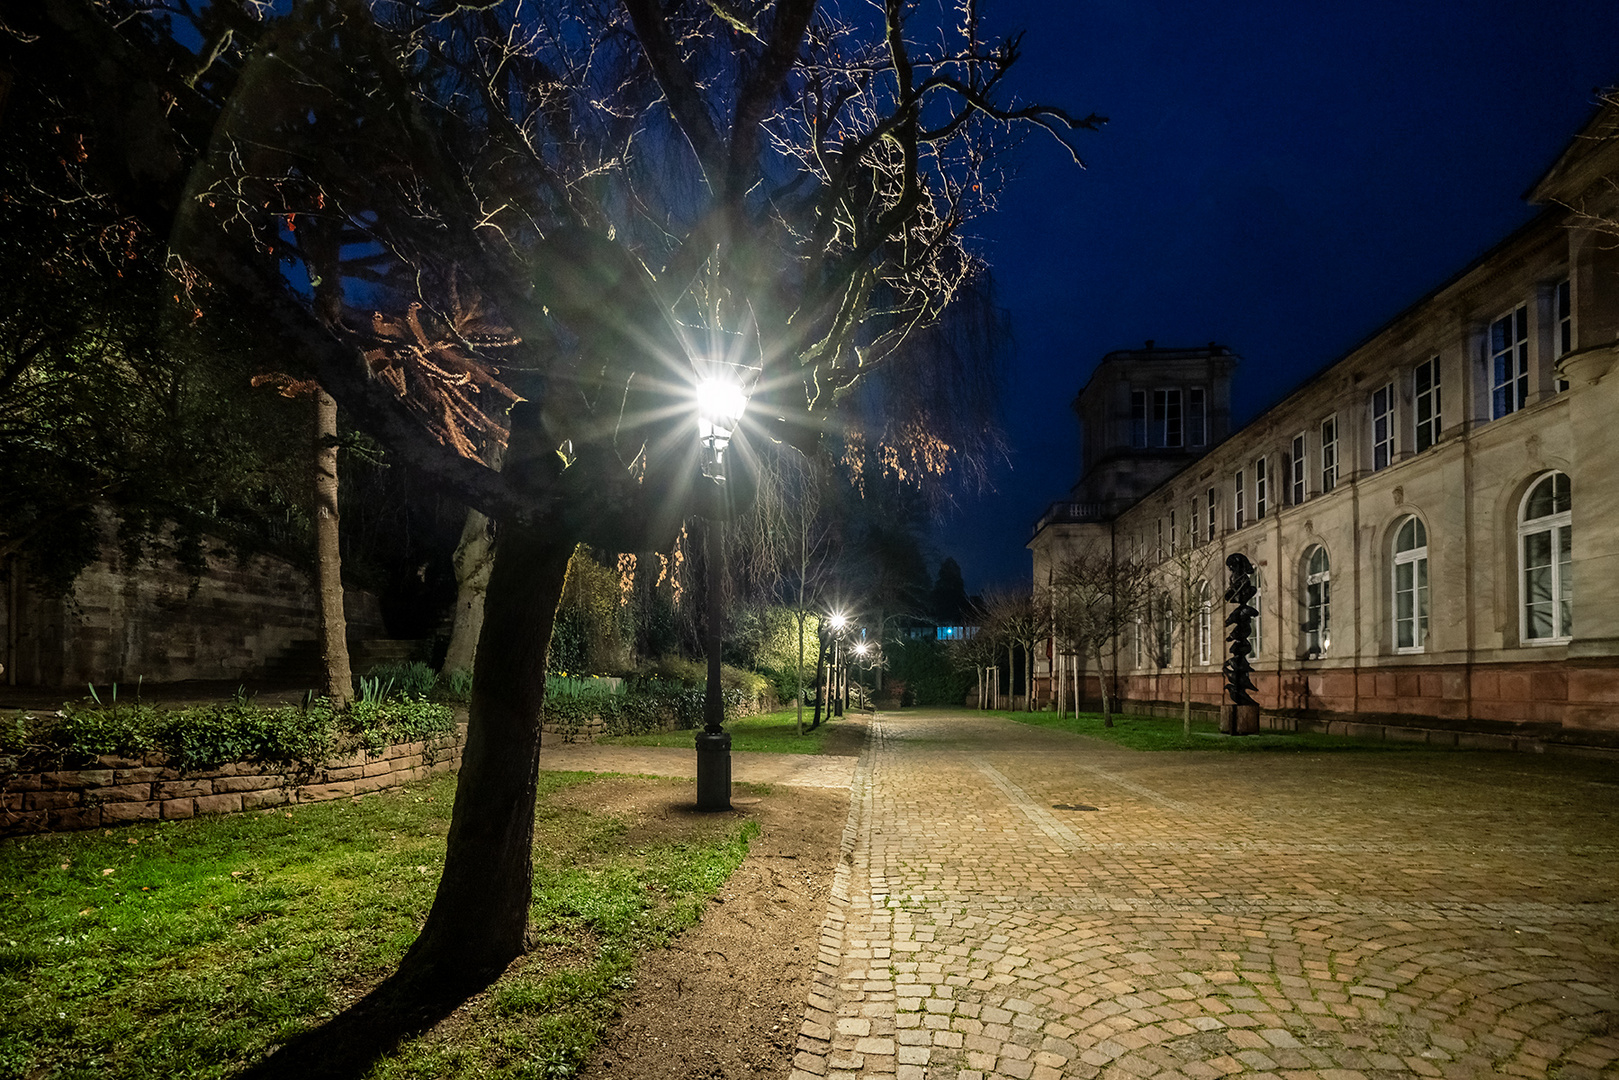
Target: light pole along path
[1341,915]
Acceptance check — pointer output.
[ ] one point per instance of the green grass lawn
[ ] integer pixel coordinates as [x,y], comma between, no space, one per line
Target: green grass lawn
[1165,733]
[190,948]
[773,733]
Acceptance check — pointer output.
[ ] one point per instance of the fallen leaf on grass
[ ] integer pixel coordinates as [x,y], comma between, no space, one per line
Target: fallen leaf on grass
[107,871]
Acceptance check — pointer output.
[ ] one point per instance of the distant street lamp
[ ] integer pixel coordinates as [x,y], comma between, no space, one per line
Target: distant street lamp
[720,404]
[838,622]
[862,652]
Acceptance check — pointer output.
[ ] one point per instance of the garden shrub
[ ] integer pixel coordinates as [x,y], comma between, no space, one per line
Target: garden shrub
[403,678]
[207,736]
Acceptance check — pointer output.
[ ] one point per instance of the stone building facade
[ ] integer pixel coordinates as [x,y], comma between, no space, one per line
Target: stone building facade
[1434,516]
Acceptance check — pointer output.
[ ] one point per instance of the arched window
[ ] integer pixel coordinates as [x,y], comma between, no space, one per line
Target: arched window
[1545,559]
[1410,586]
[1317,602]
[1205,612]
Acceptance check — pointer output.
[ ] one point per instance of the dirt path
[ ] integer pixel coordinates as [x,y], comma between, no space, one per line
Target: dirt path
[726,999]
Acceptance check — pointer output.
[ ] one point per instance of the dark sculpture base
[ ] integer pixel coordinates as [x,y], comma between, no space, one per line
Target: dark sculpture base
[1239,719]
[713,771]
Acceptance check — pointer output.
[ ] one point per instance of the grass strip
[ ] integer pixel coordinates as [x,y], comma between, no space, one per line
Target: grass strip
[771,733]
[1152,733]
[191,948]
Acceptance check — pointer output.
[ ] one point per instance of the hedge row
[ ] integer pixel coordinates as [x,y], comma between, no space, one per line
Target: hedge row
[207,736]
[651,707]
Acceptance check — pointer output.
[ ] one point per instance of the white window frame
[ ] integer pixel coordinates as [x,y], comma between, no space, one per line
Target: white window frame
[1160,539]
[1257,636]
[1168,418]
[1261,487]
[1197,416]
[1174,533]
[1205,621]
[1317,598]
[1562,325]
[1508,362]
[1416,558]
[1138,419]
[1194,528]
[1425,405]
[1329,453]
[1238,504]
[1383,415]
[1560,524]
[1214,507]
[1299,468]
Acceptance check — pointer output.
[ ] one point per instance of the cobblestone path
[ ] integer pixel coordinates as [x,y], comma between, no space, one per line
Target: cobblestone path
[1331,915]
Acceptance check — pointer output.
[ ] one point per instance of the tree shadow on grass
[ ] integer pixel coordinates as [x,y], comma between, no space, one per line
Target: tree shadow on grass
[350,1043]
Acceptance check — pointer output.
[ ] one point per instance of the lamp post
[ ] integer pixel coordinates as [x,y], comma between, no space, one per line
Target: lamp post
[838,622]
[720,403]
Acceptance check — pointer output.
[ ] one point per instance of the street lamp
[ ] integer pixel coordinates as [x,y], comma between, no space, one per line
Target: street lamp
[720,403]
[838,622]
[862,650]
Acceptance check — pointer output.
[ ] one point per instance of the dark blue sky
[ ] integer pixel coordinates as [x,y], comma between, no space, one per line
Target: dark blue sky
[1279,177]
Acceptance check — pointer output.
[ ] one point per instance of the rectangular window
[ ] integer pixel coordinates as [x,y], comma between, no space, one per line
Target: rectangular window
[1174,534]
[1193,529]
[1261,487]
[1425,395]
[1214,510]
[1257,639]
[1160,538]
[1238,504]
[1297,466]
[1383,427]
[1138,419]
[1563,338]
[1329,454]
[1197,419]
[1509,363]
[1166,418]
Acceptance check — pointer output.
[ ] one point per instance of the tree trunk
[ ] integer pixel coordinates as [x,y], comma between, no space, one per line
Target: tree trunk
[1186,686]
[820,681]
[1028,677]
[1107,698]
[798,677]
[334,648]
[474,558]
[479,918]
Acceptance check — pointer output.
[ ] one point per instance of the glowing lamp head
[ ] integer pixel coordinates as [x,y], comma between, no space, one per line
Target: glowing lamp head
[719,408]
[861,648]
[838,621]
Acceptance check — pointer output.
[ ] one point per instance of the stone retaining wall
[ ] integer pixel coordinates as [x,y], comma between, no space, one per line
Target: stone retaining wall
[118,790]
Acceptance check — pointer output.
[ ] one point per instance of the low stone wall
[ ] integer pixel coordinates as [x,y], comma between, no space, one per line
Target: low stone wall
[115,790]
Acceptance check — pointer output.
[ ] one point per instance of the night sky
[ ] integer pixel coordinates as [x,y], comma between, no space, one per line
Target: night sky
[1281,178]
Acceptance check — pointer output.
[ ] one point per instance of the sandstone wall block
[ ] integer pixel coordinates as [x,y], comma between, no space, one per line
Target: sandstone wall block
[227,784]
[219,804]
[120,812]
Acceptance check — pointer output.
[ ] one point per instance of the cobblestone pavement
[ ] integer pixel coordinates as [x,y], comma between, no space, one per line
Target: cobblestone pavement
[1333,916]
[794,770]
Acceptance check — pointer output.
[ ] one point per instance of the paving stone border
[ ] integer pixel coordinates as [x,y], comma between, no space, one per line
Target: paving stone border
[118,790]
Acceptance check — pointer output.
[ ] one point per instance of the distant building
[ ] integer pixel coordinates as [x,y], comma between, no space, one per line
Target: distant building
[1435,516]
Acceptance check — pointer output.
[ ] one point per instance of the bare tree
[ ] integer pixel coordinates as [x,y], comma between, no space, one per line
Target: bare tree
[1096,595]
[1019,621]
[1183,585]
[645,193]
